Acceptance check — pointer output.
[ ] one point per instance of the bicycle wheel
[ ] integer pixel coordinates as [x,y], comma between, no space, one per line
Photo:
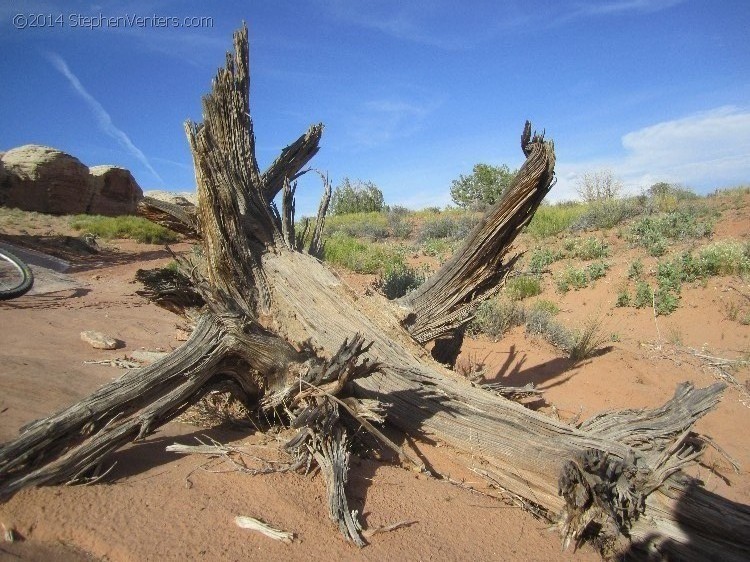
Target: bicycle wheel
[15,276]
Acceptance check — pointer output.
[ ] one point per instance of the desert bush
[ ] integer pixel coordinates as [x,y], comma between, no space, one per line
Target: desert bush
[550,220]
[400,279]
[359,225]
[522,287]
[485,185]
[652,232]
[126,226]
[665,197]
[399,223]
[604,214]
[587,249]
[495,316]
[356,197]
[623,298]
[598,186]
[447,226]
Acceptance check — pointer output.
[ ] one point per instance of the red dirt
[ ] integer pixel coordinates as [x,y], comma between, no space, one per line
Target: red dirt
[156,505]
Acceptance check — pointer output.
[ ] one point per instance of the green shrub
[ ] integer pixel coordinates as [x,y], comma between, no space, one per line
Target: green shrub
[356,197]
[126,226]
[523,287]
[399,279]
[643,295]
[666,301]
[546,306]
[436,247]
[399,223]
[485,185]
[359,256]
[550,220]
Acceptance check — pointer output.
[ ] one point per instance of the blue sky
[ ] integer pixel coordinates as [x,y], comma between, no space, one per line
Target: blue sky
[412,94]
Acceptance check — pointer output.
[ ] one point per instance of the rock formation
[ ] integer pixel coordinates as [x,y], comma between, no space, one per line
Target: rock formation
[47,180]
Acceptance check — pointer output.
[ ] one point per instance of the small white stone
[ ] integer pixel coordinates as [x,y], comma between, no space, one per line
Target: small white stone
[98,340]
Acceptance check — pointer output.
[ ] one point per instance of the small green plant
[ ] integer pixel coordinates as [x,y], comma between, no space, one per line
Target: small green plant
[596,270]
[371,225]
[399,279]
[636,270]
[623,298]
[436,247]
[607,213]
[540,258]
[126,226]
[588,249]
[572,277]
[545,305]
[644,295]
[522,287]
[666,301]
[653,232]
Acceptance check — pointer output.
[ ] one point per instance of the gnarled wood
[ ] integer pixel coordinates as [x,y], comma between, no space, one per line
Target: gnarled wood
[274,316]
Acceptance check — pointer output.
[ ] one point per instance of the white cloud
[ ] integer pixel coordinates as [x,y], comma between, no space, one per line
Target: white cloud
[102,117]
[704,150]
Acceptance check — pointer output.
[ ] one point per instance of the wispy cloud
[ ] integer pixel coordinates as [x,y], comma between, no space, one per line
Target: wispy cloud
[101,115]
[704,150]
[380,121]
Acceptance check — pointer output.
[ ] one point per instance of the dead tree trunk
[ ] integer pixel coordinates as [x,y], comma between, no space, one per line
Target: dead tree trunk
[272,329]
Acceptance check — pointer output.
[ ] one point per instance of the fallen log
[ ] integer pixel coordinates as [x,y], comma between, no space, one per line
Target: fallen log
[271,332]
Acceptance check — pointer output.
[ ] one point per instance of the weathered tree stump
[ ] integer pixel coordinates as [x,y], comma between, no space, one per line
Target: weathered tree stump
[282,332]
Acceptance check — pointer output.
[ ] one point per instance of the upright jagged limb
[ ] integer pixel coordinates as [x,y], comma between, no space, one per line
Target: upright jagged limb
[280,316]
[446,300]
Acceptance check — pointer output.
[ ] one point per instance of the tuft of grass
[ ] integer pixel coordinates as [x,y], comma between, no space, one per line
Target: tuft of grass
[126,226]
[359,256]
[399,279]
[623,298]
[522,287]
[550,220]
[585,341]
[373,225]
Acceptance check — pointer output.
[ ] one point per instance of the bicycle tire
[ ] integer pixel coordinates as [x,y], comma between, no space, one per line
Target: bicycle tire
[27,277]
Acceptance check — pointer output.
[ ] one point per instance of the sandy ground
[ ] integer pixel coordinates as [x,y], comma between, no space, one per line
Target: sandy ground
[155,505]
